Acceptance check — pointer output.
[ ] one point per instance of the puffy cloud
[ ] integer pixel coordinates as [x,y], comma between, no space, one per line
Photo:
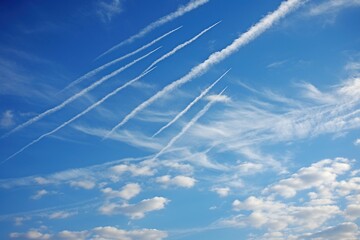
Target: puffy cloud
[70,235]
[218,98]
[31,234]
[129,191]
[180,181]
[221,191]
[133,169]
[134,211]
[357,142]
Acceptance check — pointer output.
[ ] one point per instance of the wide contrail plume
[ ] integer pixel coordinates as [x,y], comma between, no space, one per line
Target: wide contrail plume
[95,71]
[80,114]
[77,95]
[178,13]
[188,125]
[180,114]
[217,57]
[177,48]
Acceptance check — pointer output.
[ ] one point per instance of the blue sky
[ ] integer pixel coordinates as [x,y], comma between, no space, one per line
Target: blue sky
[181,119]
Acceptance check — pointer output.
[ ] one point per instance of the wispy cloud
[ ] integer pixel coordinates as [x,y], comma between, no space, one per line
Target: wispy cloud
[332,6]
[7,119]
[193,4]
[76,96]
[107,9]
[179,47]
[188,107]
[106,65]
[77,116]
[255,31]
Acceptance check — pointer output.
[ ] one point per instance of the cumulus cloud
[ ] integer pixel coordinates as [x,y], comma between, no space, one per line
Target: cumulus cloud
[127,192]
[179,181]
[357,142]
[134,211]
[221,191]
[345,230]
[31,234]
[135,170]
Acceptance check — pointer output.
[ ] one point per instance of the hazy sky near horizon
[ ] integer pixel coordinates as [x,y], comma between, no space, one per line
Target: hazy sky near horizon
[180,119]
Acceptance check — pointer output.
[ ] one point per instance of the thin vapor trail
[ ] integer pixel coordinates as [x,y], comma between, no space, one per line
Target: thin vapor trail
[181,46]
[188,125]
[80,114]
[180,114]
[193,4]
[77,95]
[257,29]
[95,71]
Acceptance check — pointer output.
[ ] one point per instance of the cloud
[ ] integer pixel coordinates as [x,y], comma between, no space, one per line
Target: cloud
[61,215]
[107,9]
[7,119]
[277,64]
[133,169]
[127,192]
[193,4]
[39,194]
[180,181]
[134,211]
[97,233]
[221,191]
[332,6]
[347,230]
[85,184]
[215,58]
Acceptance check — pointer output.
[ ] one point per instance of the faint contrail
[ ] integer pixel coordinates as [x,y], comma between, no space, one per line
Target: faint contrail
[80,114]
[191,104]
[193,4]
[181,46]
[217,57]
[188,125]
[77,95]
[95,71]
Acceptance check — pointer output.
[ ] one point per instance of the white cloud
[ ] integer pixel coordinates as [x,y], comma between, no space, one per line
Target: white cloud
[180,181]
[129,191]
[61,215]
[97,233]
[332,6]
[221,191]
[7,119]
[134,211]
[357,142]
[345,230]
[107,9]
[39,194]
[85,184]
[218,98]
[135,170]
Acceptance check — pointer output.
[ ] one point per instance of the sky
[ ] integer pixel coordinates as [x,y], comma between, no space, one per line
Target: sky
[180,119]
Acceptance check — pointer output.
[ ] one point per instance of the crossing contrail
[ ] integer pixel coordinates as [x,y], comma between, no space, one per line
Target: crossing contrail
[77,95]
[95,71]
[193,4]
[188,125]
[80,114]
[191,104]
[181,46]
[256,30]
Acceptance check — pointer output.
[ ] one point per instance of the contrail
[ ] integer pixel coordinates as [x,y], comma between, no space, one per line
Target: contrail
[191,104]
[80,114]
[95,71]
[181,46]
[193,4]
[257,29]
[74,97]
[187,126]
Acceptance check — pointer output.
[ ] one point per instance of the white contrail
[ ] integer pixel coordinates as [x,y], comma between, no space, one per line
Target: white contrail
[95,71]
[191,104]
[216,57]
[80,114]
[177,48]
[193,4]
[187,126]
[77,95]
